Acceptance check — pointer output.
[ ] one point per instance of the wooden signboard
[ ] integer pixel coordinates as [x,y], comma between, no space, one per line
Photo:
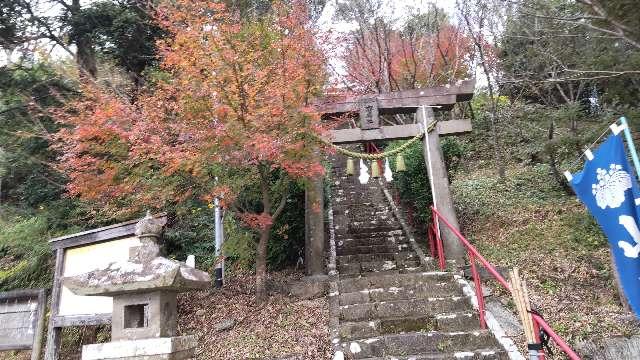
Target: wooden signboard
[369,114]
[77,254]
[22,320]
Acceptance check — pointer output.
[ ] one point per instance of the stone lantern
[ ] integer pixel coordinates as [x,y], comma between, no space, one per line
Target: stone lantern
[144,289]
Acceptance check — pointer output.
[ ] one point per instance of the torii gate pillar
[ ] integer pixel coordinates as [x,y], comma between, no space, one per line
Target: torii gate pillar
[314,226]
[439,182]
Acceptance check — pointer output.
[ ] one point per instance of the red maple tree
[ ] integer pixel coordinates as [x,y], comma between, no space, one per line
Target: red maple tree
[383,60]
[231,103]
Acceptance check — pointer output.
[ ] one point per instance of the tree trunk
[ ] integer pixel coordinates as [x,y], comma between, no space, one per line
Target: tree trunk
[551,153]
[261,266]
[493,115]
[261,254]
[85,54]
[86,58]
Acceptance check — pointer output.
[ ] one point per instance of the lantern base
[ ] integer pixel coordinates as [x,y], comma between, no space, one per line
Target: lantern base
[165,348]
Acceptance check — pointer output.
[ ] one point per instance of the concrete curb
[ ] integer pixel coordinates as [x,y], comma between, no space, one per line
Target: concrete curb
[492,322]
[334,277]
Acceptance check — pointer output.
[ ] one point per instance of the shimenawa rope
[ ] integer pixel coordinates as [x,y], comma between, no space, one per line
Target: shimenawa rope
[376,156]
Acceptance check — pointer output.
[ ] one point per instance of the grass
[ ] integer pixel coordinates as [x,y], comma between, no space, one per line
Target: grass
[530,223]
[25,255]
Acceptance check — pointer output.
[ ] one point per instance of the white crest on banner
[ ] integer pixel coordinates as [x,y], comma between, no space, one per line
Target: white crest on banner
[364,173]
[609,191]
[629,223]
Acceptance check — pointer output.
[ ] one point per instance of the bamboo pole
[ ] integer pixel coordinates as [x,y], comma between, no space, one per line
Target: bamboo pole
[520,295]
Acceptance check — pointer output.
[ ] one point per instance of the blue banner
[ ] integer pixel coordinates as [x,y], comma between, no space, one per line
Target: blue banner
[609,190]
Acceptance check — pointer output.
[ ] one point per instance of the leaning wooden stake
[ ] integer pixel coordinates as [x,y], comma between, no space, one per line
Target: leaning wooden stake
[520,296]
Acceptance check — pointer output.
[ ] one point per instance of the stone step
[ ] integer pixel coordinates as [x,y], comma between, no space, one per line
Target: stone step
[480,354]
[356,189]
[401,271]
[464,321]
[390,306]
[372,241]
[420,343]
[396,233]
[369,329]
[375,249]
[346,239]
[375,225]
[343,202]
[377,266]
[356,199]
[358,214]
[352,183]
[395,256]
[362,195]
[375,281]
[406,292]
[346,209]
[373,217]
[359,200]
[458,321]
[346,206]
[368,229]
[343,233]
[403,308]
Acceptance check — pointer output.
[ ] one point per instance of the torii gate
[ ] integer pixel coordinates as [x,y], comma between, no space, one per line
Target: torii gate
[419,102]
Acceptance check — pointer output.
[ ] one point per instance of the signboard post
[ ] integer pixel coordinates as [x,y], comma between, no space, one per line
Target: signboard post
[22,320]
[77,254]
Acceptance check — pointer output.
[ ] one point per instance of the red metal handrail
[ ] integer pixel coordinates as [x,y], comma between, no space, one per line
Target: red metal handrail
[473,254]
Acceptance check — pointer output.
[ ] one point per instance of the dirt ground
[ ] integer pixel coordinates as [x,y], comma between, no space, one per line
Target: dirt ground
[284,327]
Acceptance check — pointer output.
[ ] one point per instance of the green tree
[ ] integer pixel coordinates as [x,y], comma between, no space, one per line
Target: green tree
[123,31]
[30,180]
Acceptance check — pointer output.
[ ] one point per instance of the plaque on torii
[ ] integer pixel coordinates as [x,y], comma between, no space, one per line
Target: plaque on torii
[420,102]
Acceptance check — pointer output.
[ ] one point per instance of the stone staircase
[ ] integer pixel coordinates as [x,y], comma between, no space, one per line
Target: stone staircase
[386,301]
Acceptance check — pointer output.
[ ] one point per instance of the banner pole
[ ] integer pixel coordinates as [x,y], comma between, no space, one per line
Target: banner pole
[636,164]
[218,282]
[630,145]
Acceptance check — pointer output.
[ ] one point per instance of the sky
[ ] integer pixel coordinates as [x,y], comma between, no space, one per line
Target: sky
[395,9]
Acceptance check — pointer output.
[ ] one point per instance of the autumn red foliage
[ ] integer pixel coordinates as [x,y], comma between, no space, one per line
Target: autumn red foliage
[389,60]
[230,102]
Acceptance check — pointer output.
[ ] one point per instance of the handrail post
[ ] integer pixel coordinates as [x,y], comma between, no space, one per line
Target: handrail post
[556,338]
[439,245]
[478,285]
[536,329]
[432,241]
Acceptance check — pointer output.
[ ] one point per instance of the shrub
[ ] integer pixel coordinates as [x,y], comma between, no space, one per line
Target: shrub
[26,255]
[413,184]
[192,233]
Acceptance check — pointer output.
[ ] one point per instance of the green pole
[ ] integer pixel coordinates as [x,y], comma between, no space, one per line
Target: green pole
[632,147]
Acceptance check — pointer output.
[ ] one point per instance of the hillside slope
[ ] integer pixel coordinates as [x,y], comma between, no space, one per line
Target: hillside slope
[528,221]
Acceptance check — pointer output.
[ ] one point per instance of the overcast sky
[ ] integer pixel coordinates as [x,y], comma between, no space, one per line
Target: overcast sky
[393,9]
